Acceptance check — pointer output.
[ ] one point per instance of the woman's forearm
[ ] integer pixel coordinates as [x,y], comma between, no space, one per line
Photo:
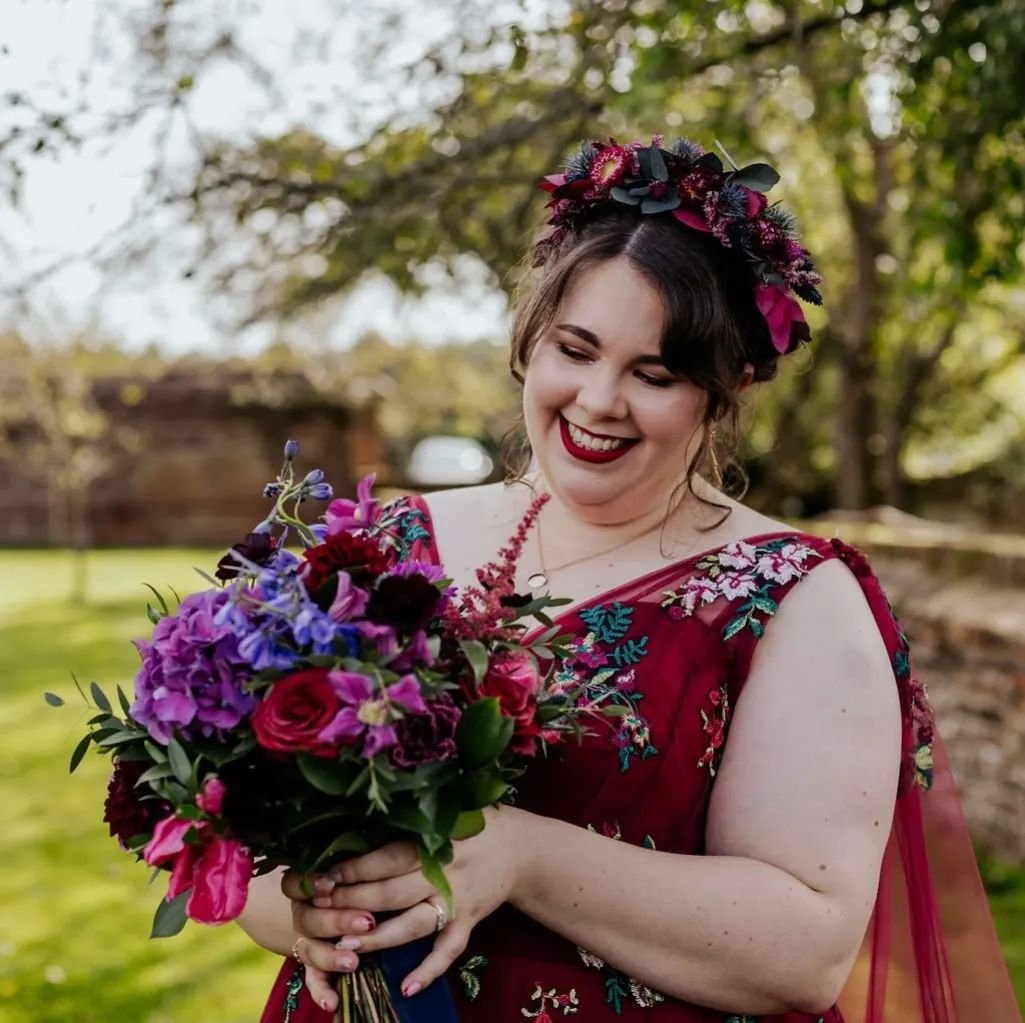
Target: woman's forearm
[721,931]
[267,917]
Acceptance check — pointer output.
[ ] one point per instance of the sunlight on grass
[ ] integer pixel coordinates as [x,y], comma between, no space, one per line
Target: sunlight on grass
[75,912]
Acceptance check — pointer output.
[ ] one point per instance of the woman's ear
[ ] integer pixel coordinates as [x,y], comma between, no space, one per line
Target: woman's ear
[747,378]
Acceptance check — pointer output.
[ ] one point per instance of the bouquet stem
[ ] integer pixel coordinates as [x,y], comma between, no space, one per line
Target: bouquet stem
[363,997]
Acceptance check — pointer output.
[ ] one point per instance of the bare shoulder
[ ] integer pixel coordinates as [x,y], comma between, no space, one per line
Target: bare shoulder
[470,524]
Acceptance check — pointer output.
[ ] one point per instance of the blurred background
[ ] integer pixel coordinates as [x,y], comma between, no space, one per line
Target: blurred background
[226,224]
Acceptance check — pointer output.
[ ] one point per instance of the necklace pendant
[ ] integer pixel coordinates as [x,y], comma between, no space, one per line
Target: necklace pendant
[537,581]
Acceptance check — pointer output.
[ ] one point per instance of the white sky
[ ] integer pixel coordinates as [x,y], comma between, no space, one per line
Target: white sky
[62,53]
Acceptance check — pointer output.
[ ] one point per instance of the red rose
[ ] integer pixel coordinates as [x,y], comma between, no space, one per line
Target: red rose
[513,680]
[296,710]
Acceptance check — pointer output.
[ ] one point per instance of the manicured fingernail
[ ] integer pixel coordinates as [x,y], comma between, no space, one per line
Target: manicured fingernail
[349,943]
[412,989]
[364,924]
[345,963]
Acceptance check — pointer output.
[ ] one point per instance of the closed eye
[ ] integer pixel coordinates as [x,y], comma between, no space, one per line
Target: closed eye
[656,381]
[572,353]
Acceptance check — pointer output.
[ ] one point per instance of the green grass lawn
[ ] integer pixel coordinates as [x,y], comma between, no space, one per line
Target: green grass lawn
[75,911]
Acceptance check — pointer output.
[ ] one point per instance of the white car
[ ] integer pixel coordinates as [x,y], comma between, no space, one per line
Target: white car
[449,461]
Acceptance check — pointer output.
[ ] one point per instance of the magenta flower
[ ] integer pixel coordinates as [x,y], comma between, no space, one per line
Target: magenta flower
[344,515]
[350,601]
[369,712]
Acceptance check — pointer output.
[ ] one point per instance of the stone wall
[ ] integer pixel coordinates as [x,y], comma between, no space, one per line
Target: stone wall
[202,449]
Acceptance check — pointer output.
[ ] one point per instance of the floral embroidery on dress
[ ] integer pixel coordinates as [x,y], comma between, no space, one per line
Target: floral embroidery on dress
[600,666]
[713,724]
[402,526]
[618,986]
[741,571]
[469,979]
[566,1003]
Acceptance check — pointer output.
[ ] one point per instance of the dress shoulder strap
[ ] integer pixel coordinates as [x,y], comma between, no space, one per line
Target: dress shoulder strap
[405,524]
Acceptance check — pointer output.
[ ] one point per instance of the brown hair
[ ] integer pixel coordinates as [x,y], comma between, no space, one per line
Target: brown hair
[713,329]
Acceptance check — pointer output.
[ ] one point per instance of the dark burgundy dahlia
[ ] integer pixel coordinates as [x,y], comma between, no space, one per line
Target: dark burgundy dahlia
[404,602]
[359,556]
[426,738]
[127,813]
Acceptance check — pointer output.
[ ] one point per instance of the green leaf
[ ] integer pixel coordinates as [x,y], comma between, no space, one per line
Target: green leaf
[156,772]
[100,698]
[482,733]
[735,626]
[118,738]
[468,824]
[477,655]
[179,760]
[328,776]
[170,917]
[53,699]
[481,790]
[124,701]
[759,177]
[350,842]
[660,205]
[432,869]
[79,752]
[160,599]
[158,753]
[623,196]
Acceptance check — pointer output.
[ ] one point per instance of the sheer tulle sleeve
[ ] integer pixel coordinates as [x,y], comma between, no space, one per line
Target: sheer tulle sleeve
[930,954]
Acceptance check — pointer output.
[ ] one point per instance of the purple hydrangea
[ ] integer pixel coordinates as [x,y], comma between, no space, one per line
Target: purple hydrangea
[192,673]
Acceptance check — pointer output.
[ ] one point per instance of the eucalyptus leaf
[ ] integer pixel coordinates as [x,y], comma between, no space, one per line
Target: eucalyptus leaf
[53,699]
[623,196]
[170,917]
[100,698]
[79,752]
[179,760]
[759,177]
[660,205]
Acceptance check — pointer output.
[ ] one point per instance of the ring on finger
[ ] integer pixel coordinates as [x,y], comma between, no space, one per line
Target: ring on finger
[442,921]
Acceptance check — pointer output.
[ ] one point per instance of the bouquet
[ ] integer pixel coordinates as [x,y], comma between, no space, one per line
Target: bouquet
[312,706]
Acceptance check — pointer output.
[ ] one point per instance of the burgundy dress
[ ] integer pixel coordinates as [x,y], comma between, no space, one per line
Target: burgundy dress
[673,648]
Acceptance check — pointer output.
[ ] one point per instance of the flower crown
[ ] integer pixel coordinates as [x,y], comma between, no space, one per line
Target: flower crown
[700,193]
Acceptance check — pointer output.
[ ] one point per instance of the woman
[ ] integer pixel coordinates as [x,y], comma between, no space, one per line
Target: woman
[659,868]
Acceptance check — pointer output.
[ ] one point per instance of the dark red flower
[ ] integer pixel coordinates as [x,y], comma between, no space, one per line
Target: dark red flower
[127,813]
[257,547]
[426,738]
[404,602]
[610,166]
[296,710]
[363,558]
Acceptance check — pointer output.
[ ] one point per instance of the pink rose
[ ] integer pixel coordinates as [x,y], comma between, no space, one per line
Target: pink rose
[513,680]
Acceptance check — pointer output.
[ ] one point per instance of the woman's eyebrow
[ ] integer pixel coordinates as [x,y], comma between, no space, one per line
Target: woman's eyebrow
[592,339]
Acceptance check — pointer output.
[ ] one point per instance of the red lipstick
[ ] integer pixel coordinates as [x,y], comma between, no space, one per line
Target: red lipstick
[585,454]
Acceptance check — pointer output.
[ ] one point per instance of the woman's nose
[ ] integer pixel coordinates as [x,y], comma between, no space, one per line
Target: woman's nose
[600,396]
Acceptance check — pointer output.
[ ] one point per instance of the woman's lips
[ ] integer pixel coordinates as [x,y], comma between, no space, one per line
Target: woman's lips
[586,454]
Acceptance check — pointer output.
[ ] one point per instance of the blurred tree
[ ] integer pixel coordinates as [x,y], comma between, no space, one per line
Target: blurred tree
[898,127]
[53,429]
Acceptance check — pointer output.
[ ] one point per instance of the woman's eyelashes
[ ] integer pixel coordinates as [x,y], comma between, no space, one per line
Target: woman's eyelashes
[576,355]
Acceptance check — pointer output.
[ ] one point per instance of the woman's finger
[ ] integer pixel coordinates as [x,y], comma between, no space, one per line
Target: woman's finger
[389,860]
[374,896]
[330,923]
[324,955]
[417,922]
[301,887]
[321,989]
[449,945]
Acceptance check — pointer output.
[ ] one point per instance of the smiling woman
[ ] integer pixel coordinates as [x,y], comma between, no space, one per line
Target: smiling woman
[747,839]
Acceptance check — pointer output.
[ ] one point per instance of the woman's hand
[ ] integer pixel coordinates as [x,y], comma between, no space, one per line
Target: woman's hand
[484,873]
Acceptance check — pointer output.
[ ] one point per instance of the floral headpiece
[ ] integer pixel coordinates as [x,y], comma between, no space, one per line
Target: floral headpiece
[700,193]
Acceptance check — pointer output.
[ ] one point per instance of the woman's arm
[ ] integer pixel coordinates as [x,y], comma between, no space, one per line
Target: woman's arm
[772,918]
[267,917]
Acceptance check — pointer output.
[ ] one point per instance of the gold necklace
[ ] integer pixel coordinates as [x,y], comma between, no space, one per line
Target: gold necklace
[539,580]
